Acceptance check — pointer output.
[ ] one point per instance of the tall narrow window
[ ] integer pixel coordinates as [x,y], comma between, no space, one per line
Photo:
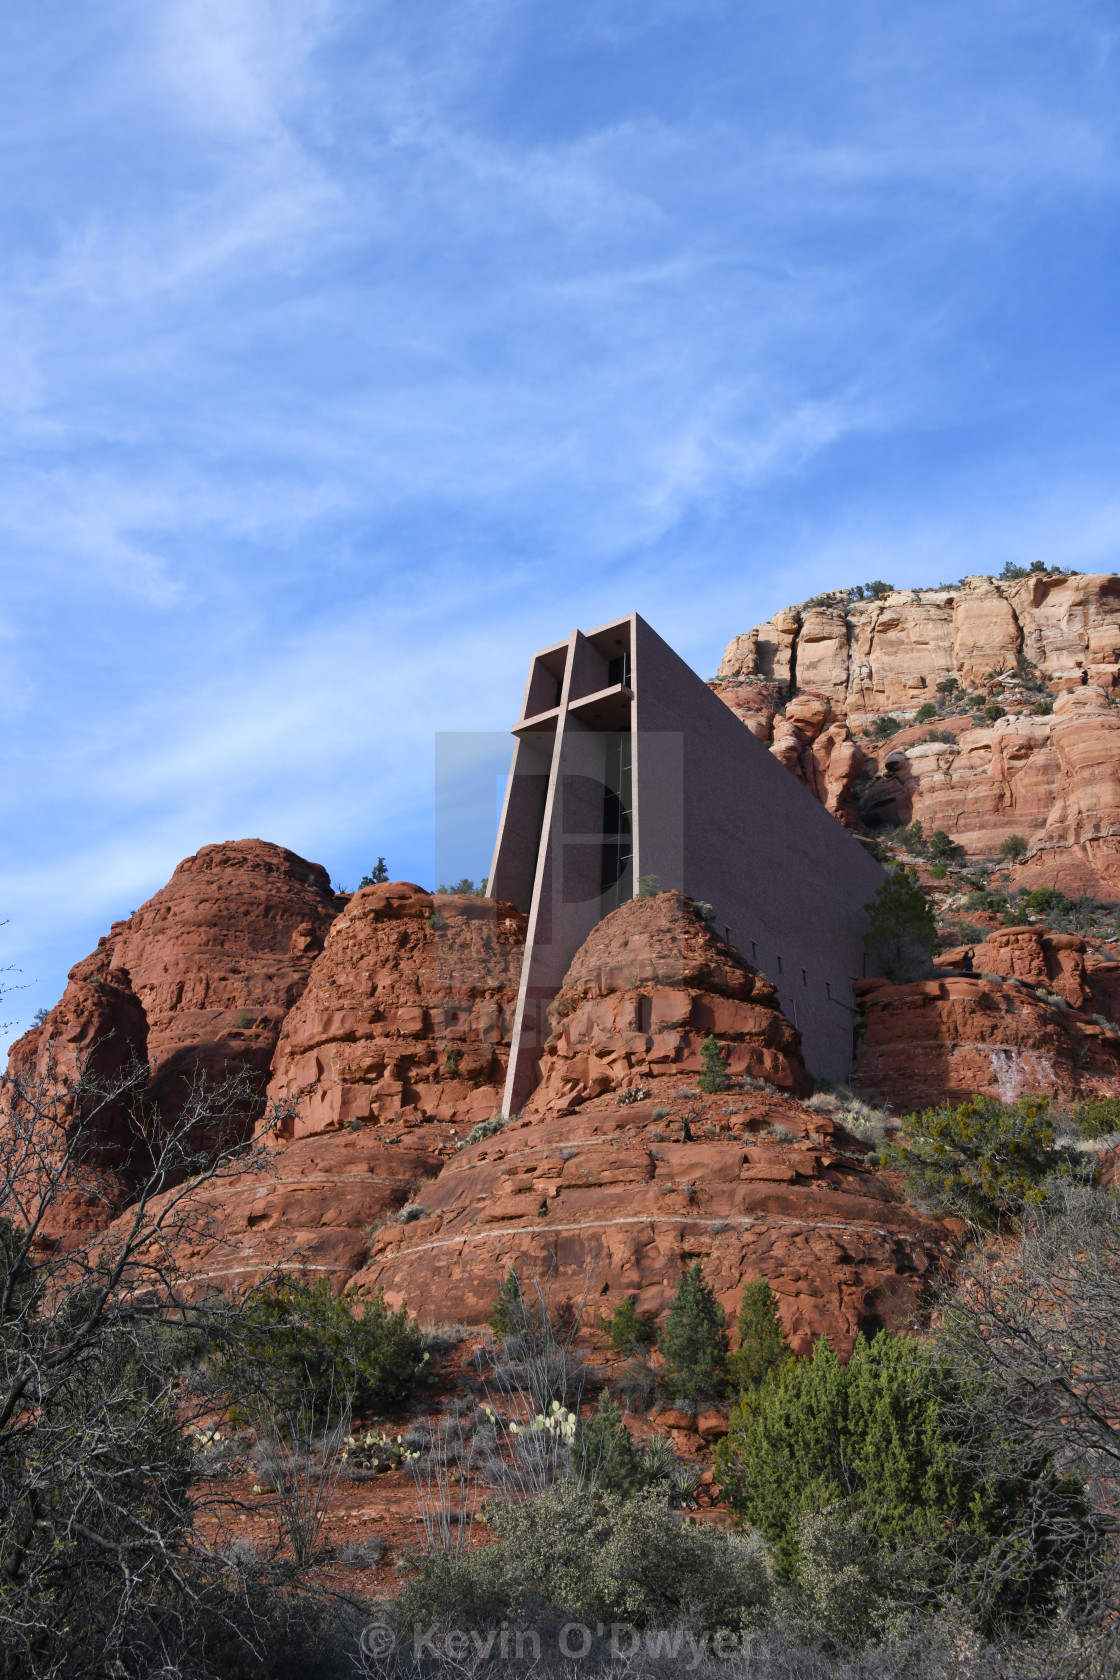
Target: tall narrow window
[617,878]
[618,670]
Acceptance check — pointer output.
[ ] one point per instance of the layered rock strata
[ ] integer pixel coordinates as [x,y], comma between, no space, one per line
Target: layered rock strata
[617,1200]
[1053,779]
[311,1209]
[1037,1016]
[649,984]
[888,655]
[408,1013]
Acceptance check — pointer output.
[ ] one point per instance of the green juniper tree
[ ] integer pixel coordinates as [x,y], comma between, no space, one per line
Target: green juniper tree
[762,1341]
[694,1343]
[715,1076]
[901,927]
[891,1441]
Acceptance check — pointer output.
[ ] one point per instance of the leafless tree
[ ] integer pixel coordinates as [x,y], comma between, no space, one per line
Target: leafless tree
[100,1568]
[1033,1328]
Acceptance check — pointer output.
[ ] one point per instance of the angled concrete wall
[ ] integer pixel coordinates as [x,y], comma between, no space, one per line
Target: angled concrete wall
[712,813]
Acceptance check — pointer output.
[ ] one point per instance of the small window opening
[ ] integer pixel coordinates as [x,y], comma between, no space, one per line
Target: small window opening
[804,977]
[754,951]
[727,934]
[780,969]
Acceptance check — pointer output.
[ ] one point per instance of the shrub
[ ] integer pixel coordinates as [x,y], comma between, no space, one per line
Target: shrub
[984,1159]
[485,1129]
[625,1328]
[295,1347]
[926,712]
[993,712]
[715,1076]
[912,838]
[883,728]
[950,685]
[594,1558]
[1042,708]
[604,1456]
[881,1439]
[508,1314]
[694,1342]
[941,845]
[636,1094]
[1047,901]
[762,1341]
[902,929]
[376,875]
[1015,846]
[1100,1118]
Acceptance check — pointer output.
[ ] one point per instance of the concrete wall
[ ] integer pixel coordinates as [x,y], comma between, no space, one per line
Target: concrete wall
[715,815]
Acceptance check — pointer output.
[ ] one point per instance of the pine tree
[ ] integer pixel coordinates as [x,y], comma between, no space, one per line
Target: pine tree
[694,1342]
[625,1328]
[605,1457]
[901,927]
[376,875]
[762,1341]
[715,1076]
[507,1316]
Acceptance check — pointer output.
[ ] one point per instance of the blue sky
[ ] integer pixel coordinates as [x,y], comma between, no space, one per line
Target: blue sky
[349,350]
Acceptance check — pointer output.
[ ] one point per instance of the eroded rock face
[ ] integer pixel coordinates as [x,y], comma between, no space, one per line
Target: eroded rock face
[610,1201]
[408,1013]
[1054,780]
[312,1208]
[97,1032]
[942,1040]
[219,956]
[644,990]
[871,657]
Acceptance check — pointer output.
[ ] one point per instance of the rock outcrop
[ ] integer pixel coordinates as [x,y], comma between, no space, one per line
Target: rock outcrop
[311,1208]
[219,956]
[644,990]
[76,1097]
[1036,1016]
[408,1013]
[888,655]
[1052,778]
[617,1200]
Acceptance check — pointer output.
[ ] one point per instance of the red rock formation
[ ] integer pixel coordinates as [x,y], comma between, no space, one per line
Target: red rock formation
[220,955]
[67,1071]
[311,1207]
[408,1013]
[644,990]
[1053,779]
[612,1200]
[941,1040]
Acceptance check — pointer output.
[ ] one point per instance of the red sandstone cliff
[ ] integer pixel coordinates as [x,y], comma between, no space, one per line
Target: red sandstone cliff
[837,664]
